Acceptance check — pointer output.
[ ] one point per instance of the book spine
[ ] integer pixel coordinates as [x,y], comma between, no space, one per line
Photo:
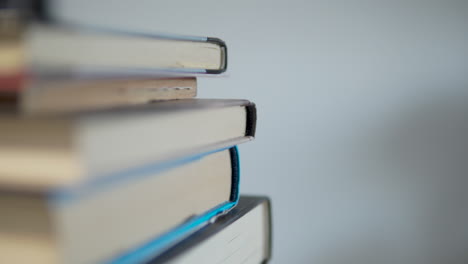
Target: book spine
[251,124]
[224,55]
[235,167]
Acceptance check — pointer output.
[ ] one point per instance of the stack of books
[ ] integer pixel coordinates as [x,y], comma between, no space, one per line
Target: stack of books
[107,157]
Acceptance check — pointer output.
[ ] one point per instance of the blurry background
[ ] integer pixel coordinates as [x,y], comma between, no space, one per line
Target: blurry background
[362,139]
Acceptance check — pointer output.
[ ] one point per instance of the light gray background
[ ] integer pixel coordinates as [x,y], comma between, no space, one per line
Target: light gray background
[362,137]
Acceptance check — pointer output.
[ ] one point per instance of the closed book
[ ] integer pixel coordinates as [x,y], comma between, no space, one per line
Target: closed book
[241,236]
[124,218]
[64,95]
[40,151]
[32,50]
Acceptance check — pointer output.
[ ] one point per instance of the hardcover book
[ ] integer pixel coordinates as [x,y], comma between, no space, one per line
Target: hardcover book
[35,47]
[128,217]
[241,236]
[39,151]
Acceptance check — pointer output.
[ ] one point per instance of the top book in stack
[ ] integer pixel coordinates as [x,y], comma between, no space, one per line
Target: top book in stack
[41,57]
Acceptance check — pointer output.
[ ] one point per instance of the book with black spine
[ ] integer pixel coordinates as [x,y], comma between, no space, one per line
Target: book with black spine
[243,235]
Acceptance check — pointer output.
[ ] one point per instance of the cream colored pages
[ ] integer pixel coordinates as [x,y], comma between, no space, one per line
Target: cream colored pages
[118,219]
[65,95]
[244,241]
[49,46]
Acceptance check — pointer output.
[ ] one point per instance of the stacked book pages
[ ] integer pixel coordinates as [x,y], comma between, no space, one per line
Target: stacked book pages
[106,156]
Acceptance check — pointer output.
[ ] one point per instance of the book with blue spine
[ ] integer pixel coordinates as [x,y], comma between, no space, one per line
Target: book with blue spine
[127,219]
